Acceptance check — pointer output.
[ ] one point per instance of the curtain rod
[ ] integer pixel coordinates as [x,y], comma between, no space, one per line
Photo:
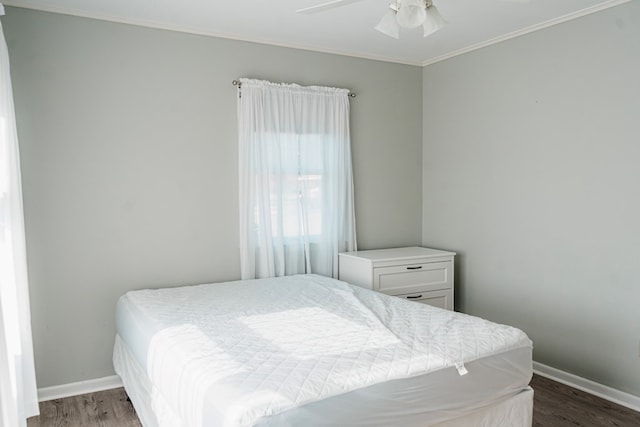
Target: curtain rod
[239,84]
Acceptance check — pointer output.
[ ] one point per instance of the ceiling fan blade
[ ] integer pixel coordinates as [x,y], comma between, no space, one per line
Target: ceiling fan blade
[326,6]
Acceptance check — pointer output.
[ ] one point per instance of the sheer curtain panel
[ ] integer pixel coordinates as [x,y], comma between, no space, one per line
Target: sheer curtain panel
[18,392]
[296,184]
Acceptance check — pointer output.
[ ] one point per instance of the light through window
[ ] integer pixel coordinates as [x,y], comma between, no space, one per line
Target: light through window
[295,183]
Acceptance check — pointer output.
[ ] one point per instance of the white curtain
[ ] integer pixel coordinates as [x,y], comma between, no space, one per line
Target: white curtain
[296,184]
[18,392]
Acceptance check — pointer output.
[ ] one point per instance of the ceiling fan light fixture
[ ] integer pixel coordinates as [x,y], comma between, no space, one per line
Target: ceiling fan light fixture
[388,25]
[411,13]
[434,21]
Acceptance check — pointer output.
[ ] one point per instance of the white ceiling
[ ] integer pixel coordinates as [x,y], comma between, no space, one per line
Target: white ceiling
[345,30]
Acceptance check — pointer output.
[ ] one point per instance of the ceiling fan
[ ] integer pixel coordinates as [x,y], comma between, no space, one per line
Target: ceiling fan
[401,13]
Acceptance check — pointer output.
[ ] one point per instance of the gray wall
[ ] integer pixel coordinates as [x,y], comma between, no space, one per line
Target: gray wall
[128,139]
[531,173]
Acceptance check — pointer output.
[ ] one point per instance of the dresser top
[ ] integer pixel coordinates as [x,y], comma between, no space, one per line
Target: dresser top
[398,253]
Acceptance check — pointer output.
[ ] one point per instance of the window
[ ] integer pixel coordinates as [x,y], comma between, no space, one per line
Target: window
[296,190]
[295,186]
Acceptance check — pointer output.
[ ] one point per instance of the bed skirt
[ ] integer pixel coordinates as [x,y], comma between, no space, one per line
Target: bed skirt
[154,411]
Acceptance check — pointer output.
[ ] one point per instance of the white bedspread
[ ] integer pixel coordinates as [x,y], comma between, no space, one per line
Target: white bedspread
[234,353]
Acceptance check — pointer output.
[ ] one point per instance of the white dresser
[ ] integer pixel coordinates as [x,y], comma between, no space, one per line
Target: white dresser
[418,274]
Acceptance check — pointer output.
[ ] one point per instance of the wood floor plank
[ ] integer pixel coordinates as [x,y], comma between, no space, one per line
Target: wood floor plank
[558,405]
[109,408]
[555,405]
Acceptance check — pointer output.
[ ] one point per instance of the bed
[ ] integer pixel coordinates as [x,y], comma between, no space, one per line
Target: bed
[307,350]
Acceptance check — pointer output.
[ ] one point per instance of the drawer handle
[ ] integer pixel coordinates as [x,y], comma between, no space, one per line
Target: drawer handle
[417,267]
[414,296]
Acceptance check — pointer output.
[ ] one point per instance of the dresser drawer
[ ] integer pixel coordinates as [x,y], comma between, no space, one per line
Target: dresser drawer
[441,299]
[404,279]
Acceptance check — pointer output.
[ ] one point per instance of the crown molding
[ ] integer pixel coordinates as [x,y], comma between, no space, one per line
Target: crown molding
[42,6]
[527,30]
[36,5]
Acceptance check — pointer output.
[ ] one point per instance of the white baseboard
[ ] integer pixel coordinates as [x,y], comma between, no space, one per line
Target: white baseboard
[611,394]
[81,387]
[616,396]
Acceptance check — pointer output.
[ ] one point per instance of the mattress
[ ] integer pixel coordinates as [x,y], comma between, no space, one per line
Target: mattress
[308,350]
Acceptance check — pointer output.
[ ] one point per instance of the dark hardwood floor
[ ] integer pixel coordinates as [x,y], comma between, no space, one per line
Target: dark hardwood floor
[555,405]
[109,408]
